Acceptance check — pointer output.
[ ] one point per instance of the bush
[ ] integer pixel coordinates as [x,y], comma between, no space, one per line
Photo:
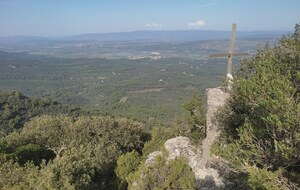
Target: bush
[264,179]
[162,174]
[261,121]
[196,119]
[84,151]
[126,164]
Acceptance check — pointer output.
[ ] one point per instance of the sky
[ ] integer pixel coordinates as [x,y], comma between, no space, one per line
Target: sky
[72,17]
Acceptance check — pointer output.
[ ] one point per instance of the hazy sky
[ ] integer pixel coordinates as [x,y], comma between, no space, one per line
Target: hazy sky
[69,17]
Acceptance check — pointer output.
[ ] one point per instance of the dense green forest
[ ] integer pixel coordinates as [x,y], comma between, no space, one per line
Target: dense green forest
[151,91]
[48,145]
[16,109]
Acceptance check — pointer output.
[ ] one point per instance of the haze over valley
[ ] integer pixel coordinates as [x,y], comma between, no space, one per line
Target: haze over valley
[112,73]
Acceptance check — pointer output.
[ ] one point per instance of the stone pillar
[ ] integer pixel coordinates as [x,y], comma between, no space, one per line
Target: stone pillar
[216,97]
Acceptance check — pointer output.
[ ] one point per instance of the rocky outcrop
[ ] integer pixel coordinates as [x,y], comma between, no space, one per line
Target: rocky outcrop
[181,147]
[199,158]
[216,97]
[205,177]
[151,157]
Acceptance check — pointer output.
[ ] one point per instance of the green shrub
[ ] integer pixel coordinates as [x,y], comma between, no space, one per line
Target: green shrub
[163,174]
[262,179]
[261,121]
[196,120]
[126,164]
[84,151]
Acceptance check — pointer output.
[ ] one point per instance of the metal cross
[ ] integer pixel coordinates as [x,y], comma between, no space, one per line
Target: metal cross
[230,53]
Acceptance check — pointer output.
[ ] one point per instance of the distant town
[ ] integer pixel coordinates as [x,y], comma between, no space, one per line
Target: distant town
[153,55]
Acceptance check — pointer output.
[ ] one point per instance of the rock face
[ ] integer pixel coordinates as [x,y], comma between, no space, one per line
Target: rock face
[207,178]
[216,97]
[181,147]
[151,157]
[199,158]
[210,178]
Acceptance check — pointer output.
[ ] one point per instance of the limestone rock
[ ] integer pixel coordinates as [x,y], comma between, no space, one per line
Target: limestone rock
[151,157]
[207,178]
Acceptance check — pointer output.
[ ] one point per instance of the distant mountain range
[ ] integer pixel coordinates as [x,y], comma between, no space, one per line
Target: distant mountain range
[161,36]
[177,35]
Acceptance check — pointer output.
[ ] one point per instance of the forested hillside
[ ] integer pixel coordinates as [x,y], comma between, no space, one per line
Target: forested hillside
[146,89]
[16,109]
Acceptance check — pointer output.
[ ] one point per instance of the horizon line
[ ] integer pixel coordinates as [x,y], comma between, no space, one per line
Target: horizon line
[132,31]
